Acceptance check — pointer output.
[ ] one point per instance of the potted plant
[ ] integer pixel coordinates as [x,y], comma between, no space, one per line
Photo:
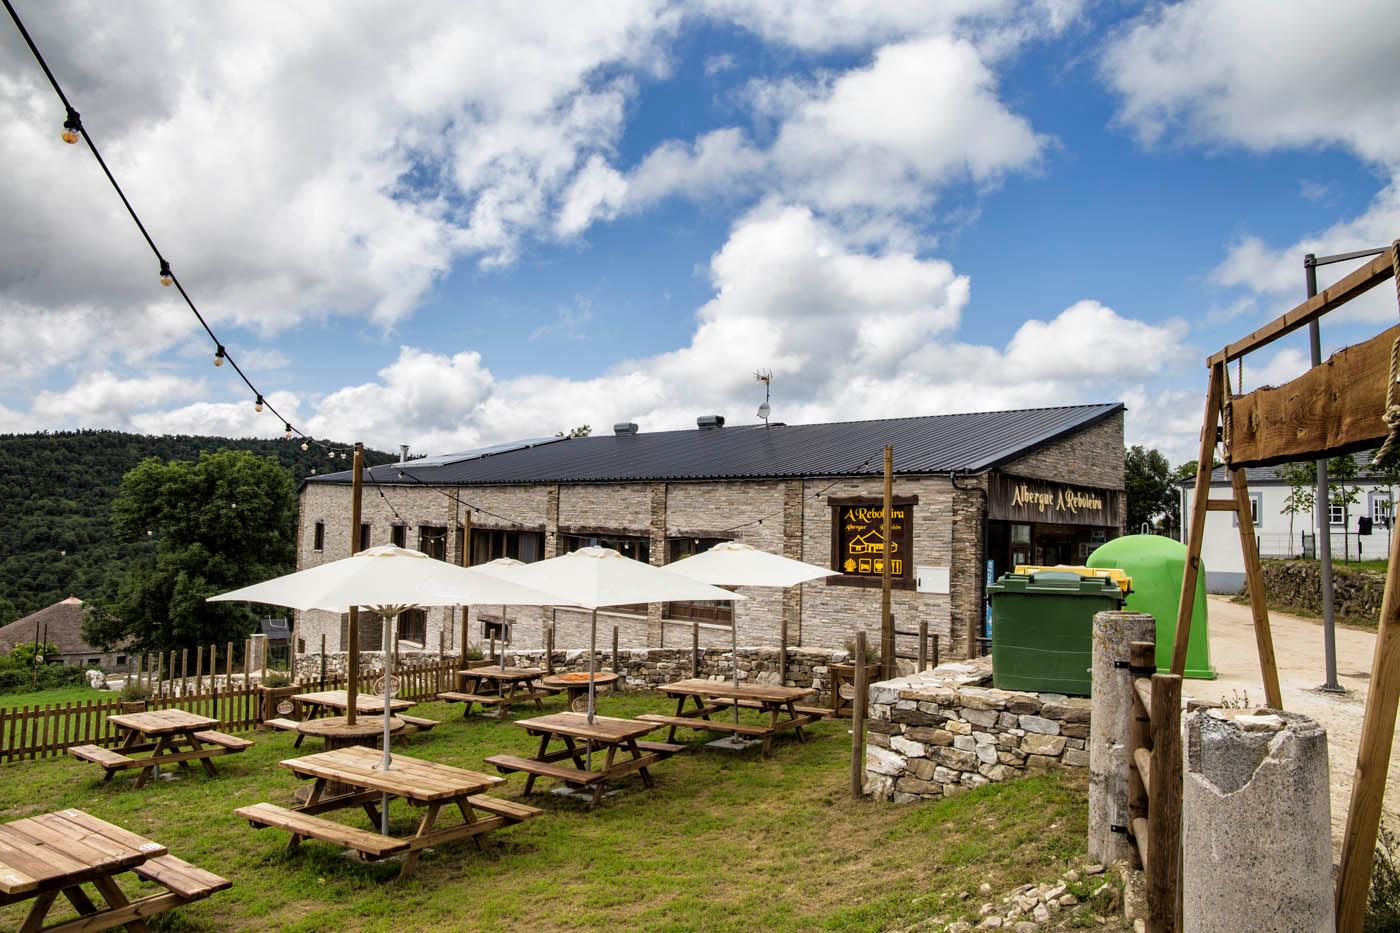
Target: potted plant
[134,696]
[276,688]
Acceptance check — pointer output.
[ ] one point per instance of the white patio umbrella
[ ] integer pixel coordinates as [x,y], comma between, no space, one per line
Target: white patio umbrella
[596,577]
[504,568]
[733,563]
[387,580]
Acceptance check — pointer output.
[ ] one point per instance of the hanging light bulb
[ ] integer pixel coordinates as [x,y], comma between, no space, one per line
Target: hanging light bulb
[72,128]
[219,356]
[257,406]
[166,278]
[305,445]
[287,430]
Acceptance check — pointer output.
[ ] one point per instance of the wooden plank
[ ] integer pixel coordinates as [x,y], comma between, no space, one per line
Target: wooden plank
[1142,759]
[1164,806]
[1373,273]
[508,763]
[1258,604]
[1372,757]
[1141,835]
[300,824]
[1197,528]
[712,725]
[510,809]
[1331,409]
[181,877]
[1220,505]
[1142,688]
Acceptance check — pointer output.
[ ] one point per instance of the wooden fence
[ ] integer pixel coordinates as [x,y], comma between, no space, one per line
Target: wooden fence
[1154,790]
[236,700]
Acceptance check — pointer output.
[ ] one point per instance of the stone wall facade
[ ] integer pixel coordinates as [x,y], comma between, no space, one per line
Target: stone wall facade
[1091,457]
[934,734]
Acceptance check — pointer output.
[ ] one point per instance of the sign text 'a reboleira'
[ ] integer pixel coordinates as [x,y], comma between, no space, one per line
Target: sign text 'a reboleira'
[1019,499]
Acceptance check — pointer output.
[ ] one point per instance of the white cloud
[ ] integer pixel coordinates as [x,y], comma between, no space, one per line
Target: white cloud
[103,398]
[1263,75]
[218,419]
[848,333]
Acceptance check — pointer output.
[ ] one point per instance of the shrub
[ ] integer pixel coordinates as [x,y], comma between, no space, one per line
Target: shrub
[134,691]
[473,654]
[24,679]
[872,651]
[1383,902]
[277,679]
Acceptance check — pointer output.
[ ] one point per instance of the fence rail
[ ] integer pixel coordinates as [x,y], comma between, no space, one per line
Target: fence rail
[42,731]
[1154,790]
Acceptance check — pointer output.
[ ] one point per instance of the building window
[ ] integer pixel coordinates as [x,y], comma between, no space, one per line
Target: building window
[495,628]
[432,540]
[398,535]
[364,536]
[1381,509]
[121,659]
[858,547]
[715,611]
[1336,514]
[1020,534]
[413,626]
[371,631]
[318,537]
[637,548]
[1256,503]
[489,544]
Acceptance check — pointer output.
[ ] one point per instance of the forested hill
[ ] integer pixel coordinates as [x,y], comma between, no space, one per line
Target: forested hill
[55,490]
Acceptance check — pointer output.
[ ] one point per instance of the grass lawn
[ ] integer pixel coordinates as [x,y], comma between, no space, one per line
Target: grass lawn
[74,694]
[721,843]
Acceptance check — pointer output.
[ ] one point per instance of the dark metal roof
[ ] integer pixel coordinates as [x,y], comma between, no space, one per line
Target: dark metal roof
[969,442]
[1264,475]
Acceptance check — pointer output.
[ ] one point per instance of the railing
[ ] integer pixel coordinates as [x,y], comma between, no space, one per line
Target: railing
[1154,789]
[927,647]
[42,731]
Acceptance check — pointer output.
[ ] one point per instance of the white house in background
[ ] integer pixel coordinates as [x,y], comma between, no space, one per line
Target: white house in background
[1283,535]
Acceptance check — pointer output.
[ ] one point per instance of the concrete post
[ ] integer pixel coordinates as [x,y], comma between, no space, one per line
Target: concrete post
[1110,731]
[259,651]
[1256,823]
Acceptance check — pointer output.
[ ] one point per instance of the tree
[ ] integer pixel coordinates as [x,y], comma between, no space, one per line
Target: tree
[1301,478]
[1340,472]
[222,522]
[582,430]
[1147,477]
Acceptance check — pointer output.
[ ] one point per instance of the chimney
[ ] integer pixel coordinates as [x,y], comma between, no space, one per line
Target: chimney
[625,427]
[403,453]
[709,422]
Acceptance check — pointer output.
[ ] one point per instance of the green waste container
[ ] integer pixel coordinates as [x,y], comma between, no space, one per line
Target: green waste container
[1157,565]
[1042,629]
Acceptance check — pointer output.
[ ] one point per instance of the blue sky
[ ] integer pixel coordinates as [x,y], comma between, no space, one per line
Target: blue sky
[451,227]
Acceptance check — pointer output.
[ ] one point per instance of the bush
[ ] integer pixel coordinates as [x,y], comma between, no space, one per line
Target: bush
[473,654]
[277,679]
[1383,903]
[25,679]
[872,651]
[134,691]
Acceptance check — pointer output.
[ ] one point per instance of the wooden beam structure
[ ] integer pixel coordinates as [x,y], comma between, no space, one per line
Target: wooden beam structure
[1258,603]
[1331,409]
[1210,429]
[1329,299]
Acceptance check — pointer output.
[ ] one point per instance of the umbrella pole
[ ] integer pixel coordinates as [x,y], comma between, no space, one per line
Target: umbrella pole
[388,674]
[734,654]
[592,672]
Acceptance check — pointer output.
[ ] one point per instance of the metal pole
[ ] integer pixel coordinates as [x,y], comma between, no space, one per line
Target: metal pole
[384,762]
[352,638]
[592,663]
[1323,511]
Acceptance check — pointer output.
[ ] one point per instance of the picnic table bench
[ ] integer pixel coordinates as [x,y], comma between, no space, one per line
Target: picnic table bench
[321,703]
[53,854]
[572,764]
[713,696]
[162,733]
[494,685]
[424,784]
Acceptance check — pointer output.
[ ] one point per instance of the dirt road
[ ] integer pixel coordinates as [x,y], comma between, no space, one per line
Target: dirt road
[1298,650]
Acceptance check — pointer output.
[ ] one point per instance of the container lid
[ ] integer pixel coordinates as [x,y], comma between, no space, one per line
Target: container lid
[1057,582]
[1125,582]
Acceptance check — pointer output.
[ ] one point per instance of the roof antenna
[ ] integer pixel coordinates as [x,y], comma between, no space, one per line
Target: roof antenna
[764,376]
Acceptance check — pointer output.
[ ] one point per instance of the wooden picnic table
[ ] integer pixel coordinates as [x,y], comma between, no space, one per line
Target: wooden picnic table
[323,702]
[421,783]
[162,733]
[498,686]
[52,854]
[606,733]
[576,683]
[713,696]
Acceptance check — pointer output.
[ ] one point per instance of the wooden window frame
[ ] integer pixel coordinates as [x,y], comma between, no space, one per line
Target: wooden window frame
[318,536]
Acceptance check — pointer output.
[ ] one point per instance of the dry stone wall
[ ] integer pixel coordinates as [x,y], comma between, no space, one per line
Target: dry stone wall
[934,734]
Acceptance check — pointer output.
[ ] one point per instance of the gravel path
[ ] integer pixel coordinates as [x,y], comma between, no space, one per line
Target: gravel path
[1298,650]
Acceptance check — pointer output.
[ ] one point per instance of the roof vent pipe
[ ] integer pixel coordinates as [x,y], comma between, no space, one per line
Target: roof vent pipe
[625,427]
[403,453]
[707,422]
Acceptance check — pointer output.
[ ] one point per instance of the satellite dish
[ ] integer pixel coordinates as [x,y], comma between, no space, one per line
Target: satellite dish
[764,410]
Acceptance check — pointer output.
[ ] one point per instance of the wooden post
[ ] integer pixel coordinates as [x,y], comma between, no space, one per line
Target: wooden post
[492,655]
[858,721]
[886,617]
[614,659]
[160,660]
[352,639]
[323,661]
[184,671]
[1164,811]
[549,648]
[1254,575]
[782,646]
[923,645]
[1372,757]
[1141,654]
[1196,536]
[262,658]
[695,648]
[228,664]
[462,649]
[248,661]
[198,669]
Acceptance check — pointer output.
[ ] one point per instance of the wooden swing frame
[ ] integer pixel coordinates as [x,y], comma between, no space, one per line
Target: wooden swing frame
[1331,409]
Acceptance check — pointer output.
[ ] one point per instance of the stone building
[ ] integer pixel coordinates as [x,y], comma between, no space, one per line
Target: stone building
[61,625]
[974,494]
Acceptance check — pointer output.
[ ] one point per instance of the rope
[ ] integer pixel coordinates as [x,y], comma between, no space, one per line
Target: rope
[1227,408]
[1385,457]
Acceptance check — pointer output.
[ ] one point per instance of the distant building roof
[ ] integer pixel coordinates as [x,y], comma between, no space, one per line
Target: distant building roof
[970,442]
[60,624]
[1265,475]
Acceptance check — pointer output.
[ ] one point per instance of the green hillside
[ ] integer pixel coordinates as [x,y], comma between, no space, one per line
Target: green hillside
[55,535]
